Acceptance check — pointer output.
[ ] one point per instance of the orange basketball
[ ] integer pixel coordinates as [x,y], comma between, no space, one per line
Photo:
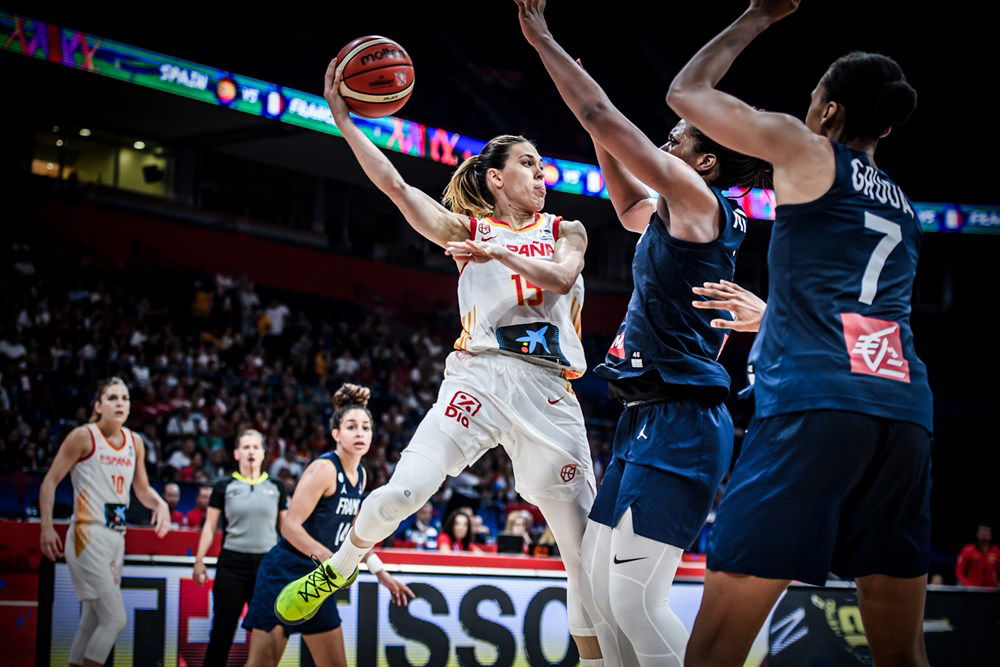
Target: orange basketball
[378,76]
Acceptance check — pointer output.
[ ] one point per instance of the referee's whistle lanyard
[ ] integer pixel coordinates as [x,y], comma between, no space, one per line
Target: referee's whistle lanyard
[252,482]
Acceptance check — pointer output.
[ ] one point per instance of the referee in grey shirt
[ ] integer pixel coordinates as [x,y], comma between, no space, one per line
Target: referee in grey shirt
[251,505]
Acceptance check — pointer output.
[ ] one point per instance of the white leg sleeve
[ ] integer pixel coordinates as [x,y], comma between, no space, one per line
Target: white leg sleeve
[642,571]
[596,557]
[416,477]
[110,613]
[88,623]
[568,520]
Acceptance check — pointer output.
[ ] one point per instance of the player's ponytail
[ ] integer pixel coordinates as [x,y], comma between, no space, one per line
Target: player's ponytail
[347,398]
[101,387]
[467,192]
[462,193]
[873,92]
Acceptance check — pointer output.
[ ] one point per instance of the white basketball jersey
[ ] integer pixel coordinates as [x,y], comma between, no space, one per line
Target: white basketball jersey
[502,311]
[102,481]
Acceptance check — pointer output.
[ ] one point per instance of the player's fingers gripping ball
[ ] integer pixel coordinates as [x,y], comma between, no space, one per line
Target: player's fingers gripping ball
[377,76]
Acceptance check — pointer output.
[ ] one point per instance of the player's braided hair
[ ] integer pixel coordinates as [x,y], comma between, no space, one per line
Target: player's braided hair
[101,386]
[467,192]
[736,170]
[347,398]
[873,91]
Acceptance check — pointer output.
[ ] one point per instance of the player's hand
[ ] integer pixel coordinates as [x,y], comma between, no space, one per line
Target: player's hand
[397,589]
[331,91]
[531,14]
[746,307]
[478,252]
[50,544]
[161,519]
[200,573]
[773,10]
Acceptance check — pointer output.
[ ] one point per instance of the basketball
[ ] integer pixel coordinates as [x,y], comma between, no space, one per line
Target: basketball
[378,76]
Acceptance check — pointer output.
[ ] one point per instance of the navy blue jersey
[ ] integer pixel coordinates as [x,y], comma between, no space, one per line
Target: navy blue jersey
[663,337]
[836,332]
[331,518]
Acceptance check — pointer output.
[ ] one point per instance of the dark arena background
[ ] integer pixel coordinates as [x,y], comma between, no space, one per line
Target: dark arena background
[178,209]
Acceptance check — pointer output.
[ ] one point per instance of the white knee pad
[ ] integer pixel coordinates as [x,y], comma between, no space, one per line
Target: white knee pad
[413,482]
[641,573]
[110,613]
[594,586]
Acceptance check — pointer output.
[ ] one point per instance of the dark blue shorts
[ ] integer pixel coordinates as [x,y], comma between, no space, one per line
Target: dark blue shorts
[280,567]
[669,459]
[827,491]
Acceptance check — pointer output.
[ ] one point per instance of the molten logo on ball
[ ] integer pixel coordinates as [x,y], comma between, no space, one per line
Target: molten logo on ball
[377,76]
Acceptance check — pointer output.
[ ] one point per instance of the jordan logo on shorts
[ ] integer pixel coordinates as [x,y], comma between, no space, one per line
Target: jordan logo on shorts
[462,406]
[874,347]
[568,472]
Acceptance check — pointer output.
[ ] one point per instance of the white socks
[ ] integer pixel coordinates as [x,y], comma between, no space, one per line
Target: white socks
[347,557]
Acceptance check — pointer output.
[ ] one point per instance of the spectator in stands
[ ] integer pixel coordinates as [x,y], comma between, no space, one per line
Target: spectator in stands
[185,424]
[172,494]
[196,517]
[288,462]
[181,458]
[423,534]
[456,534]
[480,531]
[979,564]
[519,522]
[218,462]
[12,347]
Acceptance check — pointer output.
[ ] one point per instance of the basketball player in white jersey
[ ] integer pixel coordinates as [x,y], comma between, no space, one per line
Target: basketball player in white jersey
[520,296]
[104,460]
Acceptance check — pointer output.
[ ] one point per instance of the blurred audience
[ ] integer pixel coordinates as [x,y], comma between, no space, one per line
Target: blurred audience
[979,564]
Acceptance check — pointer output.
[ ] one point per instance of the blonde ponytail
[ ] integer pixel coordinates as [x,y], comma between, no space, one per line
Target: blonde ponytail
[462,195]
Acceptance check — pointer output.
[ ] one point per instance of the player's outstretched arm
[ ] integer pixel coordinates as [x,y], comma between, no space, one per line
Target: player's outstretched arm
[75,447]
[746,308]
[423,212]
[693,208]
[778,138]
[556,276]
[146,494]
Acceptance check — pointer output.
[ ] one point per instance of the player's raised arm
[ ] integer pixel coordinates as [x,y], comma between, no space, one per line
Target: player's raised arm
[778,138]
[691,202]
[632,201]
[424,214]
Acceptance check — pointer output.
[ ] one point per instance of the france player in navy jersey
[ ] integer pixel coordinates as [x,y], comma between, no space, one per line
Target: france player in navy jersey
[320,513]
[834,474]
[674,439]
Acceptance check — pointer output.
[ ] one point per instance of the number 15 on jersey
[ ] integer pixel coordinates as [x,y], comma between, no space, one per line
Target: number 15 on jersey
[521,286]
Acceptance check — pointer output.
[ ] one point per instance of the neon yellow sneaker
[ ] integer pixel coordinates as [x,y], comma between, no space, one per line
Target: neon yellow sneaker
[300,600]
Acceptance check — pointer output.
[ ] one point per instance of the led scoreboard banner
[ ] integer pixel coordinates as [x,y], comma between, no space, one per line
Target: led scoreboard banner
[45,41]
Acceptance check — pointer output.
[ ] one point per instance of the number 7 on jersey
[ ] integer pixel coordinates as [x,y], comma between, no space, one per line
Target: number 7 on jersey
[893,235]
